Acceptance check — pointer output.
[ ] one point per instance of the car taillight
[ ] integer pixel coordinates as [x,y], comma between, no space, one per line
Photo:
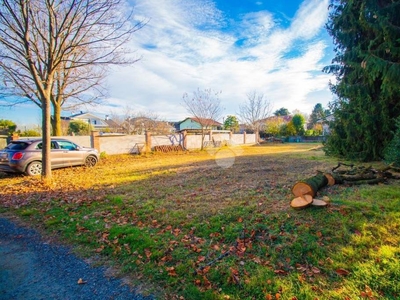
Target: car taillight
[17,156]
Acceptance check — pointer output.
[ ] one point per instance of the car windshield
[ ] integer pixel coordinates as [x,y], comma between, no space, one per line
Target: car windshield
[17,146]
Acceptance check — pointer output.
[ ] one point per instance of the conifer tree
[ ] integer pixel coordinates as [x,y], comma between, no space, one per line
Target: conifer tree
[317,114]
[366,34]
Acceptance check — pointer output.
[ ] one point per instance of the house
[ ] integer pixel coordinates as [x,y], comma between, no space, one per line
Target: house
[325,124]
[97,123]
[195,124]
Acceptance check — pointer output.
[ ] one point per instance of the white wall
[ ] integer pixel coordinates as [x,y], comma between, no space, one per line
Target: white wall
[119,144]
[124,144]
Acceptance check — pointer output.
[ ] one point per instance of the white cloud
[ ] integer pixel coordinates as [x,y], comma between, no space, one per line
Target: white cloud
[309,19]
[187,45]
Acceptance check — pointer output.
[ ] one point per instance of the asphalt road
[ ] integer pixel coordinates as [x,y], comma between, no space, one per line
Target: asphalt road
[32,268]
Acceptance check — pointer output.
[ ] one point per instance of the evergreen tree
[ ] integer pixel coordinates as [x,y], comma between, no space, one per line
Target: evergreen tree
[298,121]
[318,113]
[282,112]
[231,123]
[392,151]
[366,35]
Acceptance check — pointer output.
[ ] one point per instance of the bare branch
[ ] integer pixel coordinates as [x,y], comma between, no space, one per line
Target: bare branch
[54,52]
[254,112]
[205,107]
[62,49]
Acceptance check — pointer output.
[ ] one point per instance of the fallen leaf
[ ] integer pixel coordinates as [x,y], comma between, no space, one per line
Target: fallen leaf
[342,272]
[171,271]
[315,270]
[204,270]
[280,272]
[101,248]
[147,252]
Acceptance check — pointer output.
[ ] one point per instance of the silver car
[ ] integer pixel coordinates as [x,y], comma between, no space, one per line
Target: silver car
[25,156]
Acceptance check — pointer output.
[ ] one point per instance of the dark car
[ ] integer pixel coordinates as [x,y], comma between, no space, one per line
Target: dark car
[25,156]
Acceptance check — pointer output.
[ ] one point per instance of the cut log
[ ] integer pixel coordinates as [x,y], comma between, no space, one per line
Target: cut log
[359,177]
[310,186]
[318,202]
[368,181]
[333,178]
[301,202]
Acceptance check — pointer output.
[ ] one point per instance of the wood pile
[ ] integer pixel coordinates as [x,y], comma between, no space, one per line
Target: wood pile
[306,190]
[168,148]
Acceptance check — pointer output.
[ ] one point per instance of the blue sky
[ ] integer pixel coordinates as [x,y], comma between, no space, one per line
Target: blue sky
[275,48]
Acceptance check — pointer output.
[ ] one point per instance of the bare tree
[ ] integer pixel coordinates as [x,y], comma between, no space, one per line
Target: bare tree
[138,122]
[143,121]
[254,112]
[54,52]
[205,107]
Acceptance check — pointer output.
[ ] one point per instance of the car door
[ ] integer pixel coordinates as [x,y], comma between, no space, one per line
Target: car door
[71,154]
[56,154]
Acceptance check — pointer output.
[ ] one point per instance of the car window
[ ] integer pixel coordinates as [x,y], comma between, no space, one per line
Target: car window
[52,145]
[66,145]
[17,146]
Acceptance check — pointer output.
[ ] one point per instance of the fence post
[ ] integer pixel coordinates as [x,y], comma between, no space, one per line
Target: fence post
[95,140]
[148,141]
[244,137]
[184,142]
[14,136]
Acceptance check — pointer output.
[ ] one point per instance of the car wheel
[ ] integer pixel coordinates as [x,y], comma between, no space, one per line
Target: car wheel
[90,161]
[34,168]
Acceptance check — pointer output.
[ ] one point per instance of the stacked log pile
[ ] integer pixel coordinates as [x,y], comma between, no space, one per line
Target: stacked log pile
[168,148]
[306,190]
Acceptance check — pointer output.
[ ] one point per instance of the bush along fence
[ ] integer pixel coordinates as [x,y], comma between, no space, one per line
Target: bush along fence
[136,144]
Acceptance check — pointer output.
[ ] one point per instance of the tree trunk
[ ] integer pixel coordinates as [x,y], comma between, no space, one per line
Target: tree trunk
[310,186]
[257,136]
[203,134]
[56,120]
[46,164]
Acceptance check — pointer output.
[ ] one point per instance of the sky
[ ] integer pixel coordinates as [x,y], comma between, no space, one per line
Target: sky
[235,47]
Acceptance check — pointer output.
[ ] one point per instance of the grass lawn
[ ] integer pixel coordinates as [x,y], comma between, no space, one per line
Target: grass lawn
[217,224]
